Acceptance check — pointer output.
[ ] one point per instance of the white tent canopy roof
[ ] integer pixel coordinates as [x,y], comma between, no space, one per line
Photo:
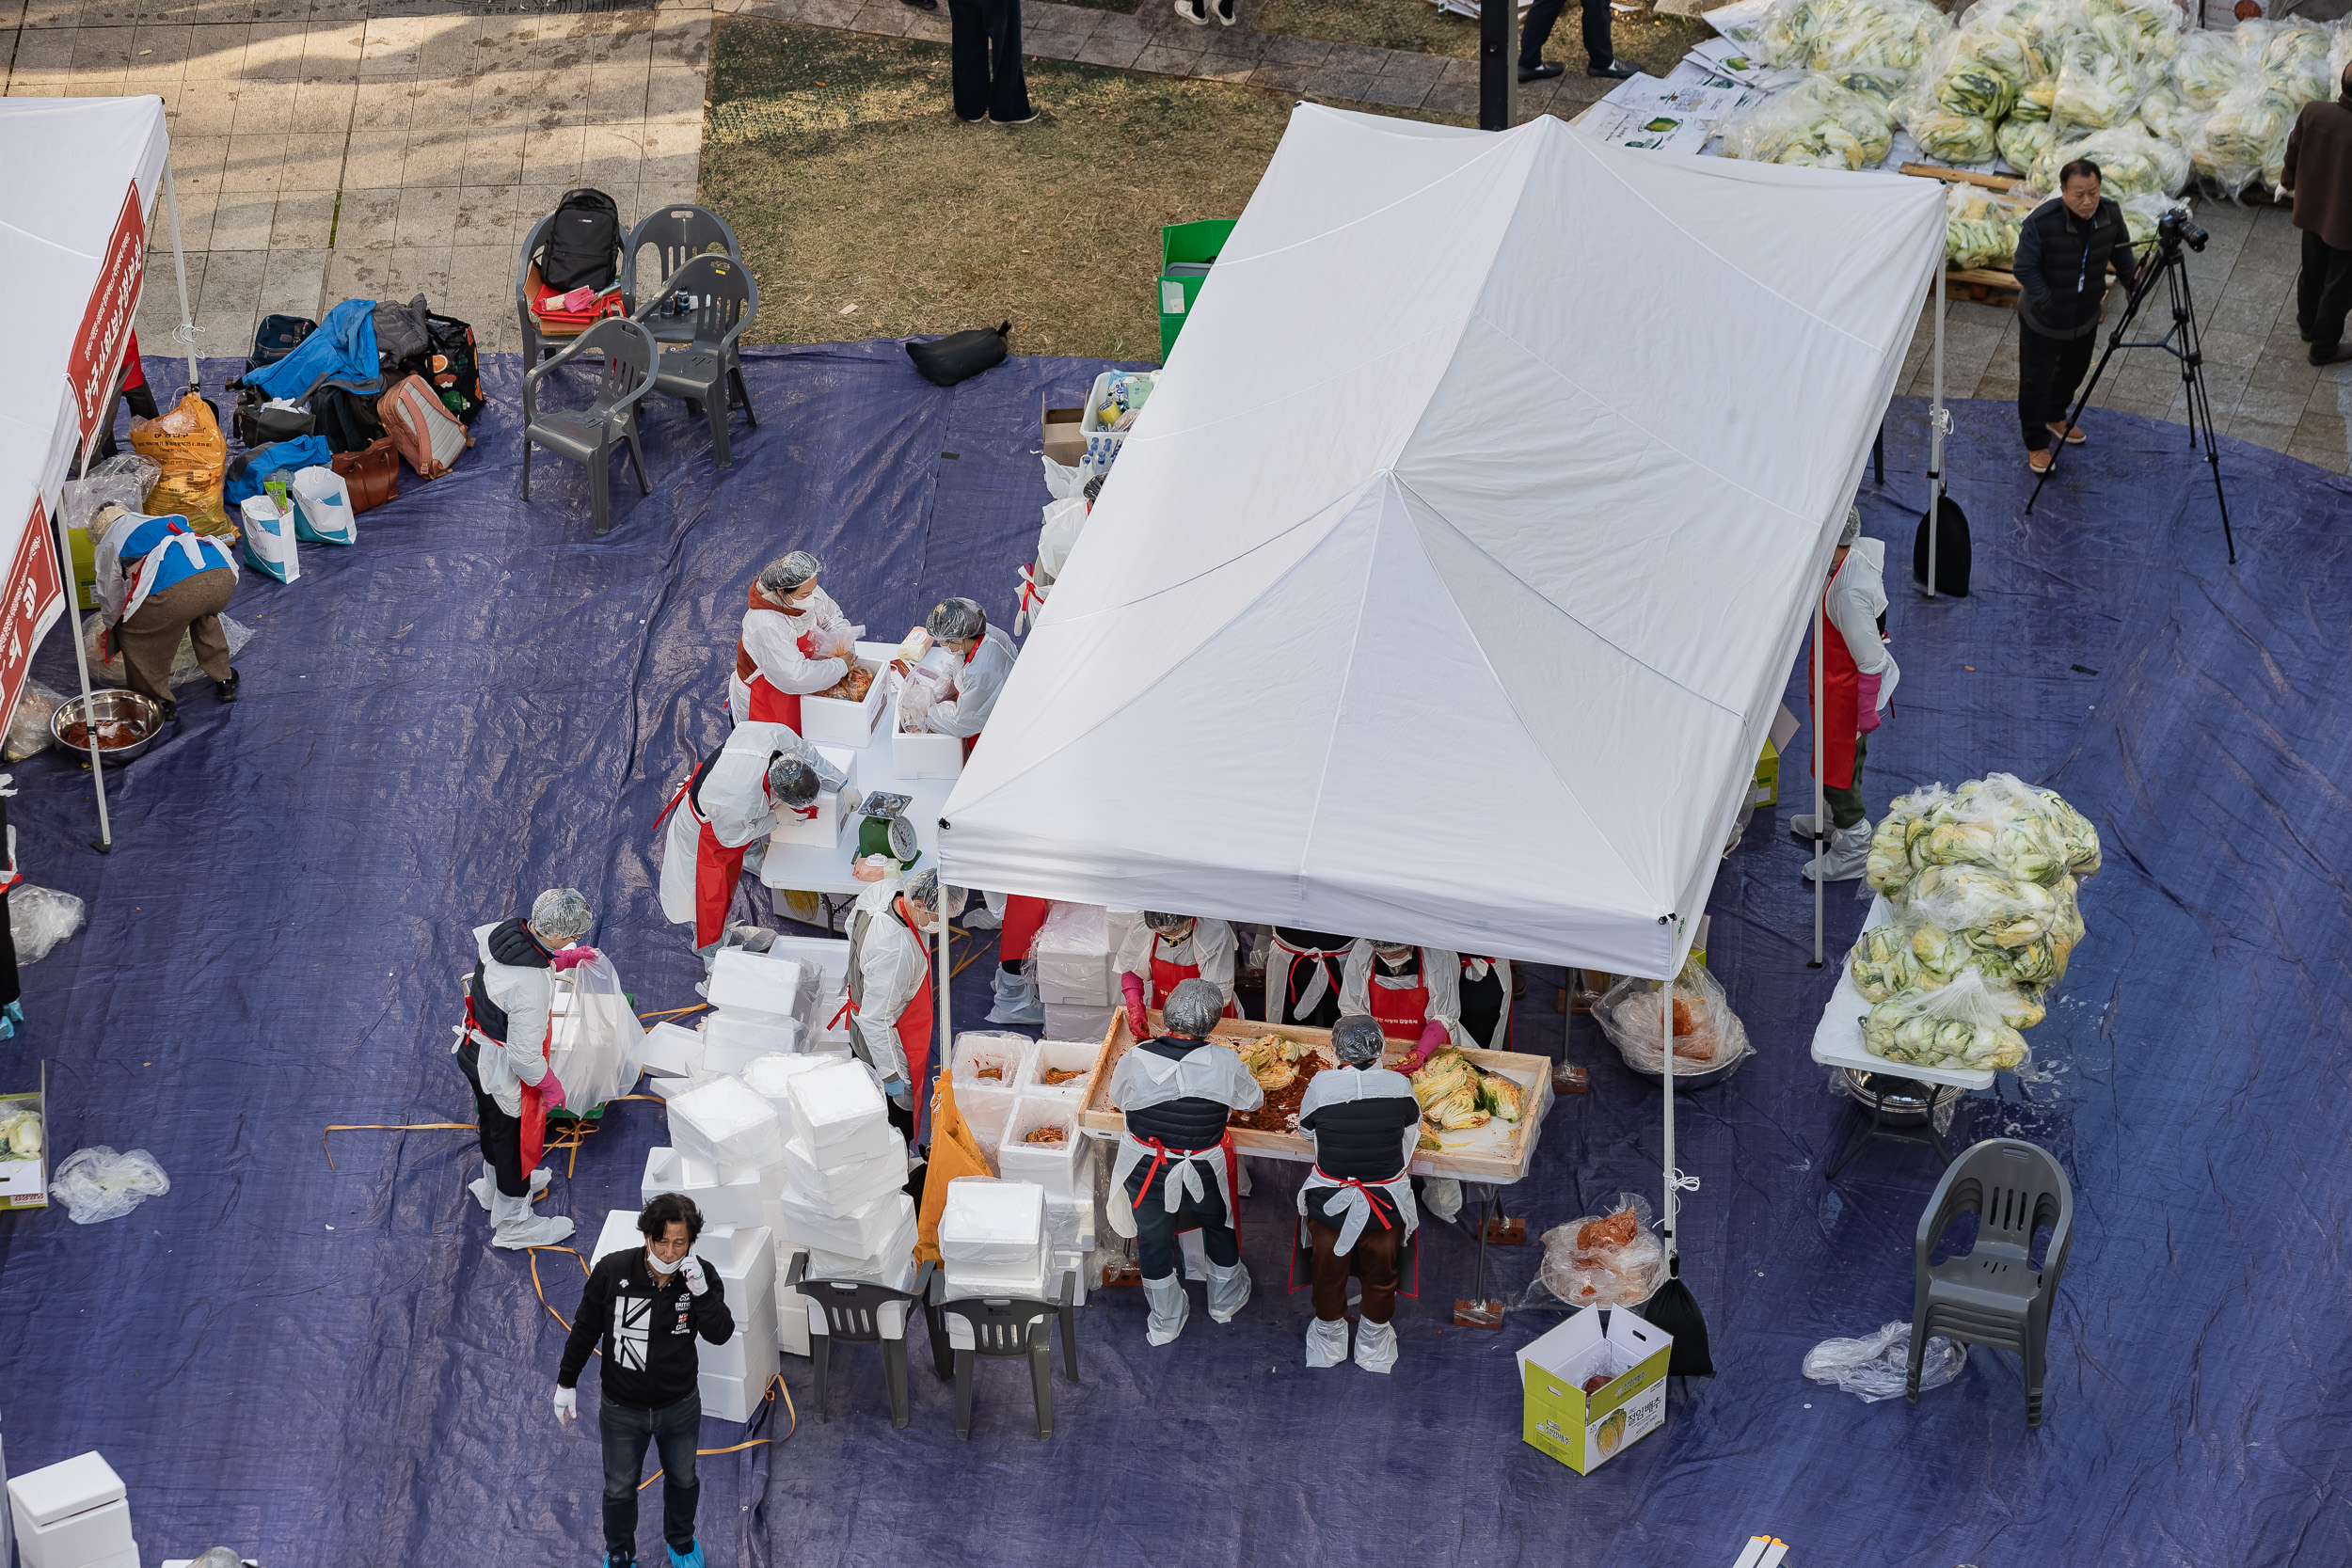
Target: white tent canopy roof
[1446,587]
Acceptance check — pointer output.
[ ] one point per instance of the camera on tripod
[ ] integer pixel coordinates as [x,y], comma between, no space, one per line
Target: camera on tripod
[2175,230]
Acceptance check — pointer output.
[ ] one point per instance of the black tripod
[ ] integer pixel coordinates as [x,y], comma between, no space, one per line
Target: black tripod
[2180,341]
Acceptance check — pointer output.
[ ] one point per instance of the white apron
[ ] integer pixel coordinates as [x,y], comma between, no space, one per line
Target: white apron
[1332,1087]
[1213,1074]
[1279,1007]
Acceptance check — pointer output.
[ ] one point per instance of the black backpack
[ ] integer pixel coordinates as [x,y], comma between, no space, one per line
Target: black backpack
[584,246]
[959,356]
[348,419]
[452,369]
[278,337]
[255,425]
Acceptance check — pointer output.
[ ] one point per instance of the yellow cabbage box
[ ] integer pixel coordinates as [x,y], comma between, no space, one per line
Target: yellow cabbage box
[1584,1431]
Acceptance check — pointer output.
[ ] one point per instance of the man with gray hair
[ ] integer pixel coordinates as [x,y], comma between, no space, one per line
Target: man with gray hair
[795,642]
[502,1050]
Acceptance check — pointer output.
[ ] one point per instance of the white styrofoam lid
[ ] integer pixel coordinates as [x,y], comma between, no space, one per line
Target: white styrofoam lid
[69,1487]
[769,1076]
[778,1031]
[745,980]
[671,1050]
[732,1248]
[722,1109]
[802,1161]
[1073,928]
[842,1092]
[619,1235]
[983,1211]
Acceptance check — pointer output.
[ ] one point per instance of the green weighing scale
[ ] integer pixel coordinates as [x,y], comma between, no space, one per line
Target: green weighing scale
[884,831]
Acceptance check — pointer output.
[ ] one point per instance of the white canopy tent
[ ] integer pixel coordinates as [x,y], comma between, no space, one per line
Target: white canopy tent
[77,178]
[1447,586]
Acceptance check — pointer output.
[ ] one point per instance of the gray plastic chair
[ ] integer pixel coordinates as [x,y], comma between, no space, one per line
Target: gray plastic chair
[1994,1295]
[538,340]
[705,370]
[854,1314]
[677,234]
[585,436]
[1009,1328]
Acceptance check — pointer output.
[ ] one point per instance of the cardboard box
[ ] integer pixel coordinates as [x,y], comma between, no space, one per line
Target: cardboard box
[1765,791]
[1586,1431]
[1063,439]
[24,1177]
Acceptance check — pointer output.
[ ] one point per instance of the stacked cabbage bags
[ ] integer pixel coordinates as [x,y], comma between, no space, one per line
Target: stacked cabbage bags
[1982,881]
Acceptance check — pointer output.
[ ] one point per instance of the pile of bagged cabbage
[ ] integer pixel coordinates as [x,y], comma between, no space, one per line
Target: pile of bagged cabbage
[2032,84]
[1981,880]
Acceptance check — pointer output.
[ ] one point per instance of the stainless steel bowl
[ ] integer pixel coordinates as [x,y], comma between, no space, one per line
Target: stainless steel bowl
[145,717]
[1901,1101]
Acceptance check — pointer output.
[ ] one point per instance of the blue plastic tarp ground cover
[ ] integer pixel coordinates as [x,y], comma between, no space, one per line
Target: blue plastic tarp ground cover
[481,699]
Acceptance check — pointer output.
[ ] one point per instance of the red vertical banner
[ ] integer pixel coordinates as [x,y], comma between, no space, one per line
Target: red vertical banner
[36,595]
[107,318]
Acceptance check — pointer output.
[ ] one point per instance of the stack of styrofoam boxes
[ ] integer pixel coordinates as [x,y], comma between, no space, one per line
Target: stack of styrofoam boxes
[830,958]
[845,1170]
[673,1059]
[759,1001]
[725,1125]
[1074,954]
[72,1515]
[991,1241]
[987,1071]
[770,1077]
[1069,1173]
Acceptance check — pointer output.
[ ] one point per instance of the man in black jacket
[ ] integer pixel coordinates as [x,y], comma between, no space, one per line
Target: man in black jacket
[643,1309]
[2063,251]
[1356,1199]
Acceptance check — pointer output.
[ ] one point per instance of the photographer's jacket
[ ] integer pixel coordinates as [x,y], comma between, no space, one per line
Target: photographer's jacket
[646,1327]
[2063,266]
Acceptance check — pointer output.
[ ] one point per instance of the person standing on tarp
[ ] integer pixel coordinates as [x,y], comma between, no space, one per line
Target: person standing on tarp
[795,642]
[1357,1201]
[643,1309]
[159,581]
[889,1007]
[2063,250]
[1162,953]
[722,814]
[503,1050]
[1857,677]
[1176,1157]
[1413,993]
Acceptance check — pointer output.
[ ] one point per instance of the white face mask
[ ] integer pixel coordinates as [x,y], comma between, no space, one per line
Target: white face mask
[654,1261]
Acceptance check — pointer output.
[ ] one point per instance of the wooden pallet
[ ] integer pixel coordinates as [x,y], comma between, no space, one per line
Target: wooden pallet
[1983,286]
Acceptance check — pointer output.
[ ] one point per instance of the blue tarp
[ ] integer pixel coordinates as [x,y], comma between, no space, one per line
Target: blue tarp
[482,699]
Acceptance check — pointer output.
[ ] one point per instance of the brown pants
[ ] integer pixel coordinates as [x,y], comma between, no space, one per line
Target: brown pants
[1375,1255]
[150,637]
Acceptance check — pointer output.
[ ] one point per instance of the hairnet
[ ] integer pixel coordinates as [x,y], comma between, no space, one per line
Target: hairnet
[1358,1041]
[791,780]
[562,914]
[956,619]
[1385,948]
[1159,922]
[923,888]
[1852,531]
[787,572]
[1193,1009]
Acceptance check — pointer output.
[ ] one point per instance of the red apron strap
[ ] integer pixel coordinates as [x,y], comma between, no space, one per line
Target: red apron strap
[914,1022]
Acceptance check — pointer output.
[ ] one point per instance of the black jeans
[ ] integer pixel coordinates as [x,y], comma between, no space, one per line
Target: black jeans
[2048,371]
[1536,30]
[674,1430]
[1156,1227]
[984,53]
[2323,294]
[502,1144]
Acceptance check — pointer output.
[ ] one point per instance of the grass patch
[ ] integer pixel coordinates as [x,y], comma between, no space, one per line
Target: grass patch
[1641,38]
[867,210]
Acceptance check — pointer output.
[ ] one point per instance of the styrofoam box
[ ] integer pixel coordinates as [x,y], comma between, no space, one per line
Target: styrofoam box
[670,1088]
[895,1267]
[724,1122]
[620,1234]
[791,1310]
[730,1399]
[985,1111]
[830,722]
[1007,1054]
[755,983]
[988,1223]
[1066,1023]
[861,1234]
[1052,1166]
[747,1199]
[768,1076]
[732,1041]
[1069,1223]
[890,1318]
[1061,1056]
[825,829]
[93,1535]
[828,955]
[918,754]
[843,1186]
[61,1490]
[750,1352]
[1027,1278]
[1069,927]
[743,1255]
[1122,925]
[1074,979]
[127,1558]
[829,1020]
[671,1051]
[840,1111]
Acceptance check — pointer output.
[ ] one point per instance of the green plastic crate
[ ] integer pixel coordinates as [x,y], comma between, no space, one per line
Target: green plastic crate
[1181,244]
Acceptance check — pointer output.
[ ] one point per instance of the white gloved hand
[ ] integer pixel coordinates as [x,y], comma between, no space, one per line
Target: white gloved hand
[566,1405]
[691,1272]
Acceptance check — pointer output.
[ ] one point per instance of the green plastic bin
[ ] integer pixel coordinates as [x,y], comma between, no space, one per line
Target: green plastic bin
[1185,247]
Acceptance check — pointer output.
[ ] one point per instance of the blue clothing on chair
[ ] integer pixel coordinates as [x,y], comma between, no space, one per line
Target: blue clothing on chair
[342,349]
[149,535]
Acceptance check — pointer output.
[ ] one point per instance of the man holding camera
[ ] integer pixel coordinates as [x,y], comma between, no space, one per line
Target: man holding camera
[2063,252]
[2318,173]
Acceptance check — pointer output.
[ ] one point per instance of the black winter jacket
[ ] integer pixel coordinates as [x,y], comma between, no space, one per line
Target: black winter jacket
[2063,266]
[646,1330]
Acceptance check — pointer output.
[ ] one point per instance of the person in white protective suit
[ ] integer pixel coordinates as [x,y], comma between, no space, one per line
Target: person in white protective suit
[1857,678]
[1357,1201]
[795,643]
[1414,993]
[1162,952]
[889,1007]
[503,1050]
[1176,1160]
[721,816]
[979,657]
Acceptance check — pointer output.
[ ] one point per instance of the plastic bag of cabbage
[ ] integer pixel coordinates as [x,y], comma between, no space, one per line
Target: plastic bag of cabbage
[1957,1025]
[1878,35]
[1816,122]
[2208,65]
[1979,227]
[2096,88]
[2025,145]
[2000,822]
[1888,960]
[2245,135]
[2130,162]
[2293,58]
[2146,32]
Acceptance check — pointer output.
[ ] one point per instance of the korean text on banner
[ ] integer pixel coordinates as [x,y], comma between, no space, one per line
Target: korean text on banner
[35,595]
[106,321]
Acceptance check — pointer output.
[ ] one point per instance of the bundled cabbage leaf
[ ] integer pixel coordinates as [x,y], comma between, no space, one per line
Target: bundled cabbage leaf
[2245,134]
[2163,114]
[2096,88]
[1951,139]
[1816,122]
[2209,64]
[1976,73]
[1979,227]
[2025,145]
[2033,101]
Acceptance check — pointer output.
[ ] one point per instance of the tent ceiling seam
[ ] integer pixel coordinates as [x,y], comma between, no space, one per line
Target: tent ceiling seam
[1331,737]
[1494,147]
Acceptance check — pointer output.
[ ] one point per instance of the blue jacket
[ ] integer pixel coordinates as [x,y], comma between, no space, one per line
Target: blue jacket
[341,350]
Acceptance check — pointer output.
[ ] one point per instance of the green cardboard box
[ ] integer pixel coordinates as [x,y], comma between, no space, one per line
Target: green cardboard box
[1188,250]
[1586,1431]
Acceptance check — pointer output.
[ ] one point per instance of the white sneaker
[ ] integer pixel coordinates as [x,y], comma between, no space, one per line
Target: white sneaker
[1192,12]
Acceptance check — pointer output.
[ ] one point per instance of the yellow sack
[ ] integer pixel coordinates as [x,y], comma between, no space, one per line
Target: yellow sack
[954,1153]
[194,457]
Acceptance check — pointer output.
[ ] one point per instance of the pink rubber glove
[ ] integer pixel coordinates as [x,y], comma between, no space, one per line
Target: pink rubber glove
[1433,1039]
[1139,1020]
[570,957]
[1866,698]
[551,1091]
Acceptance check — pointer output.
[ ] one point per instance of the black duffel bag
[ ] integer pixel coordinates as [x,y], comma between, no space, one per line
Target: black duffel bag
[959,356]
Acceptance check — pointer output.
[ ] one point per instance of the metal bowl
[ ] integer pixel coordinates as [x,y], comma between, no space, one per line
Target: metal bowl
[1686,1082]
[145,717]
[1899,1101]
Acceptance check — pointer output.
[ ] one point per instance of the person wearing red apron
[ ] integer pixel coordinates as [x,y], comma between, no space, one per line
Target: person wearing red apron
[1356,1202]
[733,801]
[1165,951]
[503,1050]
[1486,996]
[1413,993]
[889,1009]
[1857,677]
[1175,1163]
[795,642]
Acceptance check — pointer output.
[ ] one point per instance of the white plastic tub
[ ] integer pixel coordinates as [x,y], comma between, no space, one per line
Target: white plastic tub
[980,1051]
[1077,1056]
[1053,1166]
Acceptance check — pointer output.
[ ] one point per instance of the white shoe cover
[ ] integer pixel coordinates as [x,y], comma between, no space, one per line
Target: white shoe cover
[1327,1342]
[516,1230]
[1229,1291]
[1192,1257]
[484,1187]
[1376,1346]
[1170,1309]
[1844,854]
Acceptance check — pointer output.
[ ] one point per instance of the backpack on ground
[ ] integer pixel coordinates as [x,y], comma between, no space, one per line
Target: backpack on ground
[278,337]
[422,427]
[584,246]
[346,418]
[452,368]
[402,337]
[257,423]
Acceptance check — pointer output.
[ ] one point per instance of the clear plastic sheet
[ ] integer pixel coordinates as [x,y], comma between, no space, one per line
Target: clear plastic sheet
[1878,1366]
[97,1184]
[39,918]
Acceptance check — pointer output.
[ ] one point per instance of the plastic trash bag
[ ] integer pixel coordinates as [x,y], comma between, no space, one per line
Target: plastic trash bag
[125,479]
[1609,1260]
[39,918]
[106,660]
[598,1048]
[98,1183]
[1876,1366]
[1959,1026]
[1707,1034]
[188,447]
[28,730]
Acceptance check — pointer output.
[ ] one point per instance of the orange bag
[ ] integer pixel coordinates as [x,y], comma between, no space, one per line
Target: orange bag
[188,444]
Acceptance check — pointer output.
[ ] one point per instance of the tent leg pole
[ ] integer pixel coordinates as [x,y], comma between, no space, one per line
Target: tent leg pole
[1820,795]
[104,841]
[180,265]
[947,975]
[1937,420]
[1666,1060]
